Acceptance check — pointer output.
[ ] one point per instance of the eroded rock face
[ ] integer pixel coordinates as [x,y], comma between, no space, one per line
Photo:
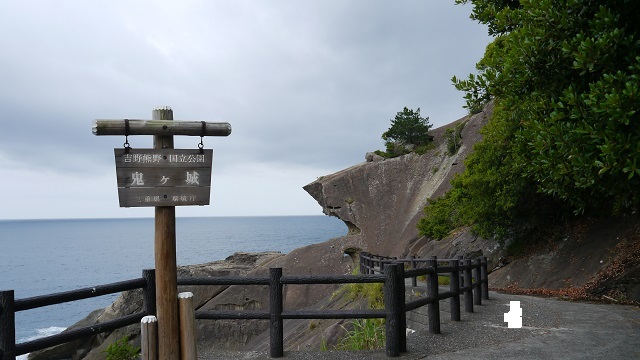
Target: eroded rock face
[586,250]
[381,202]
[462,242]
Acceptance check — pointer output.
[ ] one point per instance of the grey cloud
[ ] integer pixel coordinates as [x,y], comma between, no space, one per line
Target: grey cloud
[309,83]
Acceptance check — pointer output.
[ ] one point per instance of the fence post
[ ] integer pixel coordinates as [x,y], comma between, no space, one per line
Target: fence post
[188,350]
[460,262]
[414,280]
[468,295]
[433,309]
[391,301]
[149,323]
[484,275]
[454,285]
[477,299]
[7,325]
[276,341]
[149,338]
[402,324]
[149,292]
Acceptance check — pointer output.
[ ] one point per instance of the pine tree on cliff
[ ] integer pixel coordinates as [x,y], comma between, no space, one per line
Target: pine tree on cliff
[408,132]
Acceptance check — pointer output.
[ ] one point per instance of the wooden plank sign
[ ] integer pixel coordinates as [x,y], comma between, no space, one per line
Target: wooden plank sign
[163,177]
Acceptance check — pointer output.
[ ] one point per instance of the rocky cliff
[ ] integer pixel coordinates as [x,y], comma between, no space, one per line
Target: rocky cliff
[381,201]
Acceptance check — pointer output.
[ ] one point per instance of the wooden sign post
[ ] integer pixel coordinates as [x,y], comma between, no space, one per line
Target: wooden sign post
[166,263]
[169,184]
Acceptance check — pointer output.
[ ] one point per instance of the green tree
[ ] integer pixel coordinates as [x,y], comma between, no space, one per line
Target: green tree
[565,131]
[408,132]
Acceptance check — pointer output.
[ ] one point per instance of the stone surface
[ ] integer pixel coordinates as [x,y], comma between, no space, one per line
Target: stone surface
[373,157]
[574,260]
[462,242]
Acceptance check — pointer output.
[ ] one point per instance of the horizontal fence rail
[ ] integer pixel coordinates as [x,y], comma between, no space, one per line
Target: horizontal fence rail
[467,278]
[9,349]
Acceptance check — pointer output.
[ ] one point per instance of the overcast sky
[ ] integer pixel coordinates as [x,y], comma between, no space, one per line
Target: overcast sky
[308,87]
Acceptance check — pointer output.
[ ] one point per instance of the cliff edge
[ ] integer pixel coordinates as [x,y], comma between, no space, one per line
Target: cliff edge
[381,201]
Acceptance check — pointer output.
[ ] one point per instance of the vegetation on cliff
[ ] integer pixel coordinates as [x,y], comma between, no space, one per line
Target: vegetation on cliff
[122,350]
[408,132]
[564,136]
[363,334]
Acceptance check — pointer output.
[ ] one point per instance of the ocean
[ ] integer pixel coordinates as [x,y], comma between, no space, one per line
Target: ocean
[41,257]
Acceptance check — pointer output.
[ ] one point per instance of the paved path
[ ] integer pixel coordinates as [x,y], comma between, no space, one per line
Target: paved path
[551,329]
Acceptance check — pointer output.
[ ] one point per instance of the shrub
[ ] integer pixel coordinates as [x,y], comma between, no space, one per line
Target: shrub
[122,350]
[366,334]
[443,280]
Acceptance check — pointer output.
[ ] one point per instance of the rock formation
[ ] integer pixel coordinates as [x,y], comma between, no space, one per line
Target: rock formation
[382,201]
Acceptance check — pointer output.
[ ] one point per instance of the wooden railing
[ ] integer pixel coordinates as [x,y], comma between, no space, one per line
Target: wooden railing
[375,269]
[460,271]
[9,306]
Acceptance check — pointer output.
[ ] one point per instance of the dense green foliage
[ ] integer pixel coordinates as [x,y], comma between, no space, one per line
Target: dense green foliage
[122,350]
[408,132]
[565,131]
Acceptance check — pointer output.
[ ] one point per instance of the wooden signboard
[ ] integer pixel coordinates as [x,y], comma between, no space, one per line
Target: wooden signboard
[163,177]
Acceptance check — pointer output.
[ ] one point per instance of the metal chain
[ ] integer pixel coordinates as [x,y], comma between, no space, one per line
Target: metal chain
[201,145]
[202,133]
[126,144]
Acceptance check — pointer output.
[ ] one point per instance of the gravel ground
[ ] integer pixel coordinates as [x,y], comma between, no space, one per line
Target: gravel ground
[552,329]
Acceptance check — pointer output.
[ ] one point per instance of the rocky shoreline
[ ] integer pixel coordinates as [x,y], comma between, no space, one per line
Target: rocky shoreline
[130,302]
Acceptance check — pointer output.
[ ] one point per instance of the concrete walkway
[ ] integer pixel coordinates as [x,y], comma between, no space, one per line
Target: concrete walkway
[552,329]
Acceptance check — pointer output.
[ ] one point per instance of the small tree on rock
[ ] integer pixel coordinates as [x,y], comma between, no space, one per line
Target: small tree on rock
[408,132]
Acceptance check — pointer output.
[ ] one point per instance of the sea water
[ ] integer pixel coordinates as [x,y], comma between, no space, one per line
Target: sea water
[39,257]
